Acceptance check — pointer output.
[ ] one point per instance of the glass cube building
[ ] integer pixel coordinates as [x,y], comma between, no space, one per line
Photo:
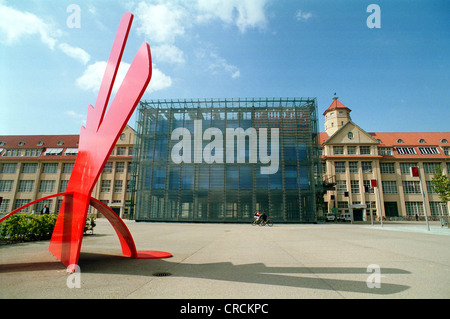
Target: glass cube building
[220,160]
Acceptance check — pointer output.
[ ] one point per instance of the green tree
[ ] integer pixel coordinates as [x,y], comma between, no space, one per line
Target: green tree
[441,184]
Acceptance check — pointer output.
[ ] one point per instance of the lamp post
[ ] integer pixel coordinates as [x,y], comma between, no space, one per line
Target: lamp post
[373,184]
[415,173]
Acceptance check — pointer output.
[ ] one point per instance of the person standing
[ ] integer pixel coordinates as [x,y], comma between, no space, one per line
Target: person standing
[45,210]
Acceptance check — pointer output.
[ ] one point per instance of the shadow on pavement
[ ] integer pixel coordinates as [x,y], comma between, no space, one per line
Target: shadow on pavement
[258,273]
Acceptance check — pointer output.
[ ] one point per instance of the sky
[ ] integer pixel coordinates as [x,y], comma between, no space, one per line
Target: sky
[390,64]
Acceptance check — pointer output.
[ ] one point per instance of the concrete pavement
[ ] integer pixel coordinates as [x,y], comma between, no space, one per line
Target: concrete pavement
[241,261]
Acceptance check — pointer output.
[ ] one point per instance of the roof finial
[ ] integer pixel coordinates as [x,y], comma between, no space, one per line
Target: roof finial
[335,97]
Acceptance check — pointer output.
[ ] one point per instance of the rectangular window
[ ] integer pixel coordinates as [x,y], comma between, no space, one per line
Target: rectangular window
[19,203]
[108,167]
[338,150]
[411,187]
[430,168]
[47,186]
[387,168]
[71,151]
[67,168]
[341,187]
[367,187]
[413,208]
[9,168]
[50,168]
[63,186]
[405,150]
[118,185]
[53,151]
[106,186]
[389,187]
[351,150]
[405,168]
[4,206]
[25,186]
[366,167]
[6,186]
[353,167]
[354,186]
[120,167]
[364,150]
[29,168]
[430,187]
[121,151]
[386,151]
[428,150]
[446,150]
[339,167]
[438,209]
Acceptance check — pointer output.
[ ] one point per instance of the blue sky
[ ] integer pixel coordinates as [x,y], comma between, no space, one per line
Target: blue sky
[394,79]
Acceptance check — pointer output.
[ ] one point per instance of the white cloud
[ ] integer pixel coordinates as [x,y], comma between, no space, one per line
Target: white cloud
[242,13]
[159,81]
[74,52]
[168,53]
[220,63]
[216,64]
[77,117]
[303,16]
[93,75]
[162,22]
[15,25]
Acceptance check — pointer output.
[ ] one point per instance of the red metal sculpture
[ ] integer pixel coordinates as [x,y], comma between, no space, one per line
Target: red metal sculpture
[96,142]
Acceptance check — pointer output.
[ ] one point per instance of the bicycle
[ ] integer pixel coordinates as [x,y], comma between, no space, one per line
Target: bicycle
[268,222]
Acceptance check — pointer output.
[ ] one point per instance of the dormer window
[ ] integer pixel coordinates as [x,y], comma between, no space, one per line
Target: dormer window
[444,141]
[21,144]
[400,141]
[422,141]
[60,143]
[40,143]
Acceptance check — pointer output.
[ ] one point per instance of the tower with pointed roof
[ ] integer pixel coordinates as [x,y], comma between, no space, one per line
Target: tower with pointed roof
[336,115]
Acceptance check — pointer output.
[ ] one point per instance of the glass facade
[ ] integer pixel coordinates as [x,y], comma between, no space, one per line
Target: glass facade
[222,160]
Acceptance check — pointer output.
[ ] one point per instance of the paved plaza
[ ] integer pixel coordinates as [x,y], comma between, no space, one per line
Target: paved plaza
[229,261]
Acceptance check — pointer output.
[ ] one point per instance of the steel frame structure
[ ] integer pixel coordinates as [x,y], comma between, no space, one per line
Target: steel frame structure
[201,192]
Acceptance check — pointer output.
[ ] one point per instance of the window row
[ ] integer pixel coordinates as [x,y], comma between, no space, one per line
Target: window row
[340,167]
[52,168]
[389,187]
[385,168]
[48,186]
[351,150]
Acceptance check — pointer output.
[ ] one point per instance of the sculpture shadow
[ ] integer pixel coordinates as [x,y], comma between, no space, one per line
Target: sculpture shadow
[256,273]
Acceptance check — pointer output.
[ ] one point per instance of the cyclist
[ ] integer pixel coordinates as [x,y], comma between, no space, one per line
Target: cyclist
[263,217]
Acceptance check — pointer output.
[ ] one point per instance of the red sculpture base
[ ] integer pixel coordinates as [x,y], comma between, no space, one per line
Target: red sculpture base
[148,254]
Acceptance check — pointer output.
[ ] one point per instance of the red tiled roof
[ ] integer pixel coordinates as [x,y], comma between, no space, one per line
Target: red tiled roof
[336,104]
[410,139]
[32,141]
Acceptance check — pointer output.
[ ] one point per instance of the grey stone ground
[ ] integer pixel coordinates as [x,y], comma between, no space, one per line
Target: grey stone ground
[240,261]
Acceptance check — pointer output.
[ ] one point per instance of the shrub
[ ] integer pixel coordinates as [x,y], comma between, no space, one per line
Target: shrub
[24,227]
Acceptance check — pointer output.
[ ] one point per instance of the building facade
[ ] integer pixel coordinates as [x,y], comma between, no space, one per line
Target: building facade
[169,179]
[222,160]
[353,158]
[35,166]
